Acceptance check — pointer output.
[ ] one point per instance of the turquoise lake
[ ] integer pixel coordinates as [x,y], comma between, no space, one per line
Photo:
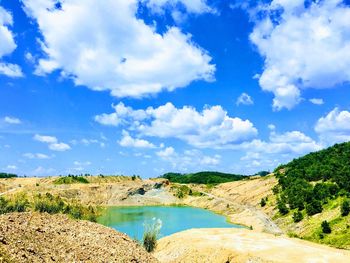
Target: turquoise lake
[171,219]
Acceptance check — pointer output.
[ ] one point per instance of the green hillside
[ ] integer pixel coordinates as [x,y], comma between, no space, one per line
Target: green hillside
[316,188]
[202,177]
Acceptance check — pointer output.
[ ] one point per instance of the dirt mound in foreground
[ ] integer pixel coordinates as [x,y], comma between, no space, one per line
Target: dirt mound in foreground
[40,237]
[218,245]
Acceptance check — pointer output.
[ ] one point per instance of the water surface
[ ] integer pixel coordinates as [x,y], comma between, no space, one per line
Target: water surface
[131,220]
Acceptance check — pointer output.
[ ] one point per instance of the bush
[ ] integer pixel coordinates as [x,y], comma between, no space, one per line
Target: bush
[262,202]
[297,216]
[282,208]
[345,208]
[326,229]
[48,204]
[314,207]
[150,236]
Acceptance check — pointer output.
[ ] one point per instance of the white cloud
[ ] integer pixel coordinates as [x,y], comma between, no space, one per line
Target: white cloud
[12,120]
[60,147]
[278,149]
[191,6]
[316,101]
[77,163]
[303,47]
[88,142]
[189,159]
[167,152]
[334,127]
[11,167]
[128,141]
[210,128]
[10,70]
[7,45]
[36,156]
[244,99]
[104,46]
[45,138]
[52,142]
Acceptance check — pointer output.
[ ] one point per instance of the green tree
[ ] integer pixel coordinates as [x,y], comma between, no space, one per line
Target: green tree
[297,216]
[282,208]
[345,207]
[314,207]
[326,229]
[262,202]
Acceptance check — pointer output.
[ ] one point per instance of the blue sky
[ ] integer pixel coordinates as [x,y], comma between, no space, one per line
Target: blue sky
[150,86]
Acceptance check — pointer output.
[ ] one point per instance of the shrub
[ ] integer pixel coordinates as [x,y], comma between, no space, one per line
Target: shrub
[345,208]
[297,216]
[282,208]
[314,207]
[262,202]
[19,203]
[150,236]
[49,204]
[326,229]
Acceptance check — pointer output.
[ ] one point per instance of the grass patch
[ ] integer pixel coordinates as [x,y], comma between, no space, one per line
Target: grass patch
[150,236]
[49,204]
[181,191]
[71,179]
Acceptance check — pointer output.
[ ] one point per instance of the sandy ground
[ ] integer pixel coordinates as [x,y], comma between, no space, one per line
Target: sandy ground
[241,245]
[40,237]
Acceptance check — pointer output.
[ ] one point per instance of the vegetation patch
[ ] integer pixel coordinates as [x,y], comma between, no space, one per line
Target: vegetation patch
[7,175]
[181,191]
[203,178]
[315,190]
[150,236]
[71,179]
[49,204]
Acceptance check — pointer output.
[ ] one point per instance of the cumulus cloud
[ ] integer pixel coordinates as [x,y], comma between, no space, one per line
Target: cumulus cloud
[191,6]
[12,120]
[334,127]
[128,141]
[316,101]
[189,159]
[11,167]
[304,46]
[52,142]
[212,127]
[36,156]
[104,46]
[244,99]
[279,148]
[7,45]
[88,142]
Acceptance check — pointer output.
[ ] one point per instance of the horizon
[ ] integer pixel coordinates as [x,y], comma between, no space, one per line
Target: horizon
[145,87]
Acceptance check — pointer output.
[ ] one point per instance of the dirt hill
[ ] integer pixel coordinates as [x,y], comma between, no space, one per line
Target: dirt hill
[240,245]
[35,237]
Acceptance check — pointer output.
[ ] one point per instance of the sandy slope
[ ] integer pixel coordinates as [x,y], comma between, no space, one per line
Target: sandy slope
[35,237]
[241,245]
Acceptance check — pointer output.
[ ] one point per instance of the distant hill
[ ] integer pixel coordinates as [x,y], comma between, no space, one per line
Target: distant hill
[206,177]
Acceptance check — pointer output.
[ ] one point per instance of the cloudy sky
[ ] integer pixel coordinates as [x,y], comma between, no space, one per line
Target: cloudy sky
[150,86]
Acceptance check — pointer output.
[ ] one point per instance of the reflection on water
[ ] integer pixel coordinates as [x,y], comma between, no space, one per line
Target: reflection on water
[131,220]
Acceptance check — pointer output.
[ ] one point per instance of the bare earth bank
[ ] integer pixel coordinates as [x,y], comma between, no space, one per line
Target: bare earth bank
[240,245]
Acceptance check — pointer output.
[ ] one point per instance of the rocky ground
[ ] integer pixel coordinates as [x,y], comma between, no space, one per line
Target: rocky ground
[35,237]
[242,245]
